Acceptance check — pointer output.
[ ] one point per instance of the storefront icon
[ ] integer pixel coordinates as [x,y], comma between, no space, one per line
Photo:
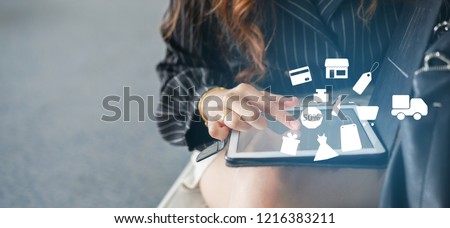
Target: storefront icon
[336,68]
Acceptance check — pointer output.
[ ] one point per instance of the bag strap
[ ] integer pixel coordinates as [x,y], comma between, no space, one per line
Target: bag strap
[403,57]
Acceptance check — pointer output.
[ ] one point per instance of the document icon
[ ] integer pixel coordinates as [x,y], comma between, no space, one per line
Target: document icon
[300,75]
[350,140]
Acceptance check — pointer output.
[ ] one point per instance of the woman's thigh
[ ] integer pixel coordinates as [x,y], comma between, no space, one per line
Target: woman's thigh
[223,186]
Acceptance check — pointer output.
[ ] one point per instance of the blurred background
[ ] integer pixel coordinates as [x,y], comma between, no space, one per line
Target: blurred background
[58,60]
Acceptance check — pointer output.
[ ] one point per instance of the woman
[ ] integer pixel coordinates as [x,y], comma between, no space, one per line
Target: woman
[234,48]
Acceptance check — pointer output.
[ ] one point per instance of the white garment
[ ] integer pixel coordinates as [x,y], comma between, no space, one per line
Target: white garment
[325,151]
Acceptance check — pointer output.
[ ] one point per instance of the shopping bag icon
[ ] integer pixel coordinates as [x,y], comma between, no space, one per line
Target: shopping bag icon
[350,139]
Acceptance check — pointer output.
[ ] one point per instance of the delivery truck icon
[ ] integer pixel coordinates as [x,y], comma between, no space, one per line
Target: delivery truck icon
[403,106]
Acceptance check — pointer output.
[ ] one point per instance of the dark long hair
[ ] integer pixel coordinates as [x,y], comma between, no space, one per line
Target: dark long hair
[241,21]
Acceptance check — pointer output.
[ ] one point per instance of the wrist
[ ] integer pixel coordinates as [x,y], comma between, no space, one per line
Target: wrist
[202,99]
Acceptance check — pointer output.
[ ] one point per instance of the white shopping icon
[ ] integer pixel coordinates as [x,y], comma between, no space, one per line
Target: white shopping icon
[403,106]
[350,140]
[311,117]
[300,75]
[324,152]
[321,96]
[365,80]
[290,144]
[367,112]
[336,68]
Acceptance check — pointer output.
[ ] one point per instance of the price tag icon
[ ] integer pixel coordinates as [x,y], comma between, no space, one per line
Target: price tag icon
[362,83]
[365,79]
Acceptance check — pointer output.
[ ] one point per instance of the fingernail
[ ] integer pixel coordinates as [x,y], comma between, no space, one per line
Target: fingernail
[294,124]
[287,98]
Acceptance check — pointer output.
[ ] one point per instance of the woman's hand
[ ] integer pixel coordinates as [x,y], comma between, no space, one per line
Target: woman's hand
[240,109]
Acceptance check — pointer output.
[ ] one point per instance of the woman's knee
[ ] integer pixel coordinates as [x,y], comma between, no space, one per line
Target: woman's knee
[262,187]
[243,187]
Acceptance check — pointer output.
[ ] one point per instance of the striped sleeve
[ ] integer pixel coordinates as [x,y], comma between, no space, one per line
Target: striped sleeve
[191,67]
[177,112]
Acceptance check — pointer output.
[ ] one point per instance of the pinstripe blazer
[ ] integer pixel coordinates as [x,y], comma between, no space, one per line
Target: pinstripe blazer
[305,34]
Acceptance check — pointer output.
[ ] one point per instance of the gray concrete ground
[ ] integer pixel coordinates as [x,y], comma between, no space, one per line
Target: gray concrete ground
[58,60]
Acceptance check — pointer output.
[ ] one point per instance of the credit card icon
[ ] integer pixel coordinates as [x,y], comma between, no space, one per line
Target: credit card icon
[300,75]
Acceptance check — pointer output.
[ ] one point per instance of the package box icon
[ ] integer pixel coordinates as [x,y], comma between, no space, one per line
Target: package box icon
[290,144]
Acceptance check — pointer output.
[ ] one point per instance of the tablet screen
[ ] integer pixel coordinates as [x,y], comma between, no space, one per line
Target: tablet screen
[270,140]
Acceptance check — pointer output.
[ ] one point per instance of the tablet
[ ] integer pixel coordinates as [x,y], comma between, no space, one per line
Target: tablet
[350,142]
